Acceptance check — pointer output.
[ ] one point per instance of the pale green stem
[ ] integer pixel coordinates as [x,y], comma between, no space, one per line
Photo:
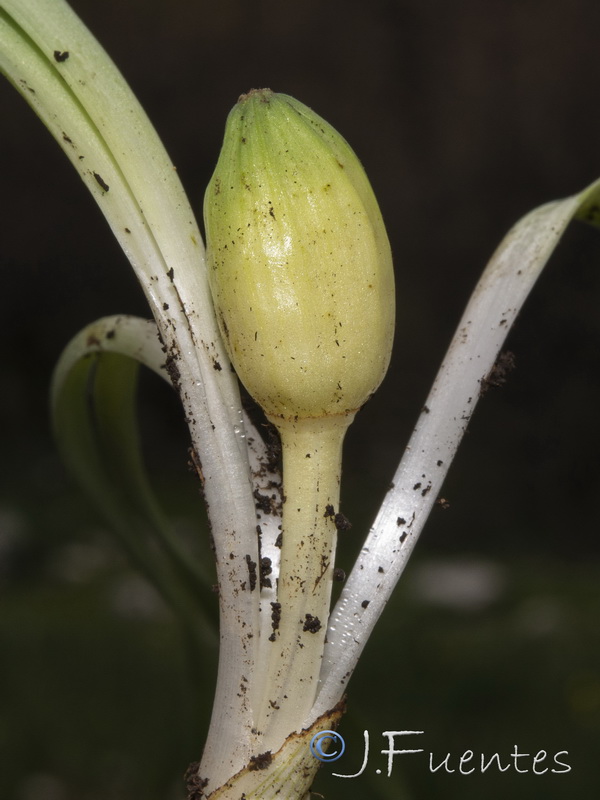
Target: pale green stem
[312,451]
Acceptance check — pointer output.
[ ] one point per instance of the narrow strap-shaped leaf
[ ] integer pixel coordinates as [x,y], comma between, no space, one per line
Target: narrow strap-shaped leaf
[498,297]
[94,419]
[64,74]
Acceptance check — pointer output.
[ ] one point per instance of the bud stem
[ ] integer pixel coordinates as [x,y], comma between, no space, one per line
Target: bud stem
[312,450]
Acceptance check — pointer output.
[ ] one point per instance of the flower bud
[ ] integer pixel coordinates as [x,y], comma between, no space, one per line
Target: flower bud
[299,262]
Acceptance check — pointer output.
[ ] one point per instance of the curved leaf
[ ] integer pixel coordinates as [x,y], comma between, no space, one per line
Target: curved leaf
[60,69]
[94,420]
[463,376]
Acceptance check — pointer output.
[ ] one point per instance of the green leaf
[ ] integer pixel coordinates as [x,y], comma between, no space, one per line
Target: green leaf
[95,422]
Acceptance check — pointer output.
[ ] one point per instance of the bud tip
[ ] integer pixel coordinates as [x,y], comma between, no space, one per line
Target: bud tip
[264,95]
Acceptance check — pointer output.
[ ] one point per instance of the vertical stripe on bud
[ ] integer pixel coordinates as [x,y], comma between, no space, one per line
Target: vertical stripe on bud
[299,261]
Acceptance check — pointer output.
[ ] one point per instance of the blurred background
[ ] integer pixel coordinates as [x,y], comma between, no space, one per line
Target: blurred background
[466,115]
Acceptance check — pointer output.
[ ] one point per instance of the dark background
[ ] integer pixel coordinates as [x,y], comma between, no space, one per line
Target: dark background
[466,115]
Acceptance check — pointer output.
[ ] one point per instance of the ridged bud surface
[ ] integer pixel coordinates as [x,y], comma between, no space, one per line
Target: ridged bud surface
[299,261]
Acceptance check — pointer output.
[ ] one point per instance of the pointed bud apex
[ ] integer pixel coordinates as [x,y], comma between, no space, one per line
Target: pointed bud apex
[299,261]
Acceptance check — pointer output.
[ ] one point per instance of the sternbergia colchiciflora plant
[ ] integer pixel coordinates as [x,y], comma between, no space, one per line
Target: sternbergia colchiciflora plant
[301,272]
[301,305]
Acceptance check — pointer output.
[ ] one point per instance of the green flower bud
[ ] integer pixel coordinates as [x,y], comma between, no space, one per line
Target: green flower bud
[299,261]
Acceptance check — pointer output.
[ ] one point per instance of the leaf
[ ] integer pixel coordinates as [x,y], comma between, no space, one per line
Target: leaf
[92,113]
[94,419]
[497,299]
